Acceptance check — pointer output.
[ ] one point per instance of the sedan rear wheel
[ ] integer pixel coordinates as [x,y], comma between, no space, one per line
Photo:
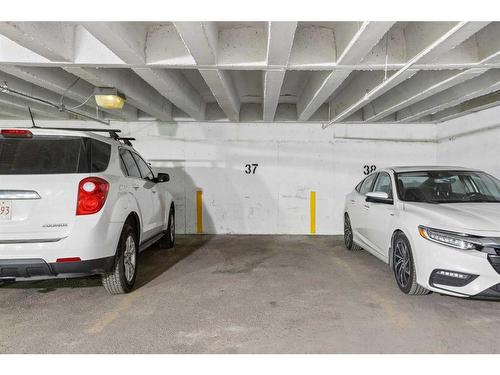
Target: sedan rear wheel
[348,236]
[404,267]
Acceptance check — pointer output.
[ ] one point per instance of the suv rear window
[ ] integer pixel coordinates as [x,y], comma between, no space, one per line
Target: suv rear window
[53,155]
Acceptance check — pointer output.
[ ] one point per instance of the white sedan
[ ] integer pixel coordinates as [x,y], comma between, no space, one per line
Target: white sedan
[437,227]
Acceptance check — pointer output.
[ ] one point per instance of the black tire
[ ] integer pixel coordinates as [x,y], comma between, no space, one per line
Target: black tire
[348,236]
[122,278]
[403,266]
[168,240]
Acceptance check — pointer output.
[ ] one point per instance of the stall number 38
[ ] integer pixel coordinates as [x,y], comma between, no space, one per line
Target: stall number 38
[367,169]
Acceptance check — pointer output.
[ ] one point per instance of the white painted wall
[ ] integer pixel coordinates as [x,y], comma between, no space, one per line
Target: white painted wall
[294,159]
[472,141]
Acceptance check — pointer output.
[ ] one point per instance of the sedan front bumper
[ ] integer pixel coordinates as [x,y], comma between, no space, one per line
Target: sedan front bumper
[430,257]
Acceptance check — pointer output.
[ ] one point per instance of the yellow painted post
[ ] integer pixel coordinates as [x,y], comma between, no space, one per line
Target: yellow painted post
[313,212]
[199,211]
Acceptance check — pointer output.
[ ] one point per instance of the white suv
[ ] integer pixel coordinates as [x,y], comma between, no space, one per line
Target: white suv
[74,203]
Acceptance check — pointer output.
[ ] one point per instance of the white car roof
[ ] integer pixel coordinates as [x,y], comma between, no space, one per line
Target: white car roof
[399,169]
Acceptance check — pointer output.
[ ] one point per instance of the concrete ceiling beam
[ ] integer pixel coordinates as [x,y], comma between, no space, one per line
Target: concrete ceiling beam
[28,88]
[64,83]
[420,86]
[424,42]
[474,105]
[280,36]
[323,85]
[51,40]
[21,104]
[128,41]
[201,40]
[138,93]
[7,110]
[428,83]
[484,84]
[367,71]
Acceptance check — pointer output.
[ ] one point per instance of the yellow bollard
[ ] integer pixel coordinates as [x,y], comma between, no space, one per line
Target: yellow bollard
[313,212]
[199,212]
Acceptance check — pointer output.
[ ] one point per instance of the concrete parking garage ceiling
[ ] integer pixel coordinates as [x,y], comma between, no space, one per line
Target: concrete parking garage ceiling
[332,72]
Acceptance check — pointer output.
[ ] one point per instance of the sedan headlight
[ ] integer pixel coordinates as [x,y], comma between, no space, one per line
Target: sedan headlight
[457,240]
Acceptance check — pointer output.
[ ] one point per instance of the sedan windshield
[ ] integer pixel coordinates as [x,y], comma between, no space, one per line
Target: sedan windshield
[447,187]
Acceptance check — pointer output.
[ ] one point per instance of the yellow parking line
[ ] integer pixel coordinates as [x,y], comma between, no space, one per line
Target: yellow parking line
[391,310]
[112,315]
[313,212]
[199,211]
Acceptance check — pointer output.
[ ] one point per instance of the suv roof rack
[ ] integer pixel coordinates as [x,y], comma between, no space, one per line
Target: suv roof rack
[113,133]
[126,140]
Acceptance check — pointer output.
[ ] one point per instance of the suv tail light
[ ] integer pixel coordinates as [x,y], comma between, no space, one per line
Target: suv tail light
[16,133]
[92,193]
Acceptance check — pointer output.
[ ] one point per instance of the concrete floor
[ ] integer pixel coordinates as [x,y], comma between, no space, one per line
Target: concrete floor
[246,294]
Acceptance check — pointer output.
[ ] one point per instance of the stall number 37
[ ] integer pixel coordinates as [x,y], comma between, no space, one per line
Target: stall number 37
[367,169]
[251,168]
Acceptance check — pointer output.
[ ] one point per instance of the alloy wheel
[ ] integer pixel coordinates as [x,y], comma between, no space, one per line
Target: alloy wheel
[347,232]
[172,228]
[402,261]
[129,259]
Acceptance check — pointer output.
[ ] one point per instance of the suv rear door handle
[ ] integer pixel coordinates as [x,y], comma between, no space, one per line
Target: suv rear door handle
[136,186]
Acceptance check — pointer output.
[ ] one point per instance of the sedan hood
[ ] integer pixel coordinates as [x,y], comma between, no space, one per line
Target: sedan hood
[468,217]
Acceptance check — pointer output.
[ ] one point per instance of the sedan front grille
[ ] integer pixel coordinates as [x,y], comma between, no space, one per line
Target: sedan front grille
[495,261]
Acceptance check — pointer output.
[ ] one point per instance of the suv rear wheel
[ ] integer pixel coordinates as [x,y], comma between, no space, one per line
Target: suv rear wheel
[121,280]
[168,240]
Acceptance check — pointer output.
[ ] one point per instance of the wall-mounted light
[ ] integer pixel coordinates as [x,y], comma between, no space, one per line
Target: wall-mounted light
[109,98]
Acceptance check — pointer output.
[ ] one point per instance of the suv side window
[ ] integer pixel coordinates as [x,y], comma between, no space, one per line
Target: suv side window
[383,184]
[146,172]
[100,155]
[367,184]
[130,164]
[122,166]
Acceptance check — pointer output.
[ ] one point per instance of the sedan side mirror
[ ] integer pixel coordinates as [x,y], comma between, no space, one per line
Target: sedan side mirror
[379,197]
[163,177]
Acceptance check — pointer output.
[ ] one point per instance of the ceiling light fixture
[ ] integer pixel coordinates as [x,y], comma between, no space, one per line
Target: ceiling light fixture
[109,98]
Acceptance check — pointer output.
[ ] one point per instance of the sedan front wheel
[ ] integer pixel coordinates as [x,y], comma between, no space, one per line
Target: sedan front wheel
[404,267]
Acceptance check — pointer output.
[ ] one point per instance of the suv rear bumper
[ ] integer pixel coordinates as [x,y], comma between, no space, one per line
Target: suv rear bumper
[38,269]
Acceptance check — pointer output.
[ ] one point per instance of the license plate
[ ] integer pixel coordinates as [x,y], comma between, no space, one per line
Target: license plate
[5,210]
